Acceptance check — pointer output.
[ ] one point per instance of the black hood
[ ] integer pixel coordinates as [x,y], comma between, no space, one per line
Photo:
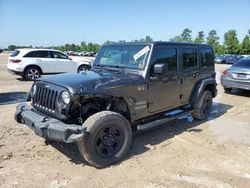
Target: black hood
[93,81]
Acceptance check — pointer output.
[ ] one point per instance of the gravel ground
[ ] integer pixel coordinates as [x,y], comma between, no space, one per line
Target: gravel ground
[182,153]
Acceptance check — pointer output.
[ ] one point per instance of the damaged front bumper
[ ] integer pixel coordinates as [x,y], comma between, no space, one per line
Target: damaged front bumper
[47,127]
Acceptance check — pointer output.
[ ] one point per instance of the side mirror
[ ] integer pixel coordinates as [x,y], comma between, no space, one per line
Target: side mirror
[161,68]
[70,58]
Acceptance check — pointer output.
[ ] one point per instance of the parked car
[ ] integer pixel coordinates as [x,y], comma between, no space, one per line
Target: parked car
[230,59]
[130,85]
[32,63]
[1,50]
[219,59]
[237,76]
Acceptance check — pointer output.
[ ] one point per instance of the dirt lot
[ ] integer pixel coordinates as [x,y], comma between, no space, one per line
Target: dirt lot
[182,153]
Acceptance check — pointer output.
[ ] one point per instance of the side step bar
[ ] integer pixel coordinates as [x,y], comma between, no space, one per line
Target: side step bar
[165,119]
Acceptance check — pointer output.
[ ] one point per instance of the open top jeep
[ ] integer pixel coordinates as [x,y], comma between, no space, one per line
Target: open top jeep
[130,85]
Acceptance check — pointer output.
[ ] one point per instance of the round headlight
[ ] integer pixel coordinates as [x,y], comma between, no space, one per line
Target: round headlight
[33,91]
[65,97]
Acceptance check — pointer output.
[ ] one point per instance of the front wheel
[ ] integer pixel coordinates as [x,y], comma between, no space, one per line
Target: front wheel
[203,106]
[107,139]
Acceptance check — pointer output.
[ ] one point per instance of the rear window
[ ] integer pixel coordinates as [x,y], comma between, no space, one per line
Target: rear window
[189,58]
[206,57]
[40,54]
[15,53]
[44,54]
[30,54]
[242,63]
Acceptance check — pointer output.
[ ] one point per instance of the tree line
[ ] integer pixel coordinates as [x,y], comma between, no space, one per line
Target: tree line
[83,46]
[230,45]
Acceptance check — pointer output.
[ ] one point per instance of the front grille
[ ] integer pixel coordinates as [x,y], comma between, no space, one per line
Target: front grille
[45,98]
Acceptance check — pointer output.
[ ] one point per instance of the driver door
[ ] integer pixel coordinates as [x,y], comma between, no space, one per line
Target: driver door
[164,89]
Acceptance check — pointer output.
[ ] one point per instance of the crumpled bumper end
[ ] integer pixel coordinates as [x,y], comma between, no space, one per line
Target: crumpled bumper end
[47,127]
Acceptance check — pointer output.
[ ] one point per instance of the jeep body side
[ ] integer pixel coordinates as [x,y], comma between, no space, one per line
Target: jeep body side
[130,84]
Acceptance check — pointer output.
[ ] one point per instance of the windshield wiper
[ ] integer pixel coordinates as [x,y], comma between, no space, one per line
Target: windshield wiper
[118,67]
[111,66]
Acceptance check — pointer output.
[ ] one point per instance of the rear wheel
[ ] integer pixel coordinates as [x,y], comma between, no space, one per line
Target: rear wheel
[83,68]
[32,73]
[107,139]
[203,106]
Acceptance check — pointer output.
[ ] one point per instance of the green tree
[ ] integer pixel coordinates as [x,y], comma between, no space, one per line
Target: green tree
[176,39]
[231,42]
[67,47]
[84,46]
[245,45]
[96,47]
[90,47]
[213,40]
[12,47]
[220,49]
[109,42]
[148,39]
[200,37]
[186,35]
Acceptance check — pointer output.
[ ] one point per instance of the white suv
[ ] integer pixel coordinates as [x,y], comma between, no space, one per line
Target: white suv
[31,63]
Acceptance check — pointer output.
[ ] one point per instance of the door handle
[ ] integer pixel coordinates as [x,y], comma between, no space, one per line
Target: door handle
[38,59]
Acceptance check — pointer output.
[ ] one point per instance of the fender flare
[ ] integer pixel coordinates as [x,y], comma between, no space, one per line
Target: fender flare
[209,83]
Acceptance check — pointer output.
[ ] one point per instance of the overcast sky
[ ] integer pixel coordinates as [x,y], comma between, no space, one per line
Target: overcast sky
[56,22]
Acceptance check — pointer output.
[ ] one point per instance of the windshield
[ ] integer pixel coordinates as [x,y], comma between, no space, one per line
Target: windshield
[125,56]
[242,63]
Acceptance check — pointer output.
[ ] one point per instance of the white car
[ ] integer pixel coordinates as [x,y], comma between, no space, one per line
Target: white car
[32,63]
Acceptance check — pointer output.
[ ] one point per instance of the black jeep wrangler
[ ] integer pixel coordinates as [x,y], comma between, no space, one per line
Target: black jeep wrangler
[131,85]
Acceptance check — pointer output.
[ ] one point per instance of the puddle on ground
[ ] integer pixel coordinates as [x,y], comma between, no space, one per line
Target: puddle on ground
[12,97]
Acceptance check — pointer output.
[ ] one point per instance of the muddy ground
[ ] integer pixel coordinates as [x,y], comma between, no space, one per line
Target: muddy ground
[182,153]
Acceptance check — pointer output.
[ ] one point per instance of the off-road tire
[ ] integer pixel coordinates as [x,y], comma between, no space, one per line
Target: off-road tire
[203,106]
[94,146]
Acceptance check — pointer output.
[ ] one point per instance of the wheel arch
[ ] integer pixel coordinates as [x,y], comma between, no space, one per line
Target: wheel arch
[84,64]
[32,65]
[205,84]
[115,103]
